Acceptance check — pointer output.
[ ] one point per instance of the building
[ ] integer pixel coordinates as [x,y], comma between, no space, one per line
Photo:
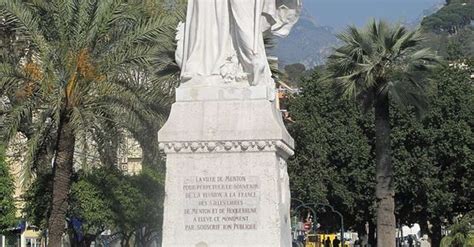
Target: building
[284,92]
[130,156]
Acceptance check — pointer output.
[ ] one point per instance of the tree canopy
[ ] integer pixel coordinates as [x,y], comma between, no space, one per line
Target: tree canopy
[92,70]
[452,17]
[333,162]
[105,199]
[449,30]
[378,65]
[432,156]
[7,201]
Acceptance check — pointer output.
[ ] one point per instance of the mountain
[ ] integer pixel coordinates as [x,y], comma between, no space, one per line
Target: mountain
[340,13]
[416,21]
[450,30]
[307,43]
[313,37]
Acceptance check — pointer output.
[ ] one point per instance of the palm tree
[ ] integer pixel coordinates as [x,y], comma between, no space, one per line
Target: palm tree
[376,65]
[80,80]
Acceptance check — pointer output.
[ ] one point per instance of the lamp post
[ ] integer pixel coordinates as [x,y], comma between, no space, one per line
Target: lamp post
[296,231]
[318,205]
[334,211]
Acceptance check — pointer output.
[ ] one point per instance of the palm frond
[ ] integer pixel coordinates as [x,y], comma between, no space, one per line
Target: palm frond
[403,96]
[62,15]
[425,55]
[27,23]
[13,119]
[382,59]
[10,77]
[104,19]
[104,54]
[34,144]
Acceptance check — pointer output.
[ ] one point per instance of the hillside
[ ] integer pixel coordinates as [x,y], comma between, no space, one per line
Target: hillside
[450,30]
[455,15]
[307,44]
[313,37]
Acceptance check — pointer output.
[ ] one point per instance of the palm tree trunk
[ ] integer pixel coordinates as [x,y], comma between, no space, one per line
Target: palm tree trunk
[384,171]
[62,172]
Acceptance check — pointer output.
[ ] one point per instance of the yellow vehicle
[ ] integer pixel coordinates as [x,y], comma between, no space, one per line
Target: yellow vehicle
[313,240]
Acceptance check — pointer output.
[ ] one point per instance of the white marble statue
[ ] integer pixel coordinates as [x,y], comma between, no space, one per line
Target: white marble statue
[222,40]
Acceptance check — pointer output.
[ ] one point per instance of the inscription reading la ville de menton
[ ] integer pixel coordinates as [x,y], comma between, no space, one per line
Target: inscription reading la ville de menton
[221,203]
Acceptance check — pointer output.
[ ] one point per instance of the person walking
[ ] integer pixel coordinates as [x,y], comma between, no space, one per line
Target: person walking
[327,243]
[336,242]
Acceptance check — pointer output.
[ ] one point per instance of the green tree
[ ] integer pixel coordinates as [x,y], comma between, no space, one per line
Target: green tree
[450,18]
[294,72]
[376,65]
[434,156]
[449,32]
[89,206]
[38,200]
[460,233]
[150,221]
[105,199]
[333,161]
[133,201]
[81,79]
[431,156]
[7,188]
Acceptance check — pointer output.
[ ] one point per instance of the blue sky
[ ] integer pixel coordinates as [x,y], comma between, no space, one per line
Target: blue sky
[339,13]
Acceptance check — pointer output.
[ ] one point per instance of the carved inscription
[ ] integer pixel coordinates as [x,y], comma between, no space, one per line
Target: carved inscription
[221,203]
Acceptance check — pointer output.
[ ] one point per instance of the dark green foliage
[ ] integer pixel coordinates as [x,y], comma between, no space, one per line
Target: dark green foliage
[452,17]
[96,62]
[12,46]
[379,64]
[104,199]
[460,234]
[92,73]
[7,188]
[434,158]
[38,200]
[452,47]
[449,30]
[334,159]
[295,72]
[89,204]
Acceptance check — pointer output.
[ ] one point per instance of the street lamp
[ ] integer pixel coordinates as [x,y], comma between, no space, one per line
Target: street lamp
[334,211]
[318,205]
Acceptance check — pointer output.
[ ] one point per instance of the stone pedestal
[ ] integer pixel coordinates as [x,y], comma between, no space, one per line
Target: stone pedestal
[226,178]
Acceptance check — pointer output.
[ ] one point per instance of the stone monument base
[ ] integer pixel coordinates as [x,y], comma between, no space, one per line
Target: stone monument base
[226,178]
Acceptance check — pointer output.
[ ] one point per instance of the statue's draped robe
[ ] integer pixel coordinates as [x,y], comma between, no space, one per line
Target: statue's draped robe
[226,36]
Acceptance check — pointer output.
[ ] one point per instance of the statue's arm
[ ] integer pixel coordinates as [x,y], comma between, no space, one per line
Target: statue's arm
[179,44]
